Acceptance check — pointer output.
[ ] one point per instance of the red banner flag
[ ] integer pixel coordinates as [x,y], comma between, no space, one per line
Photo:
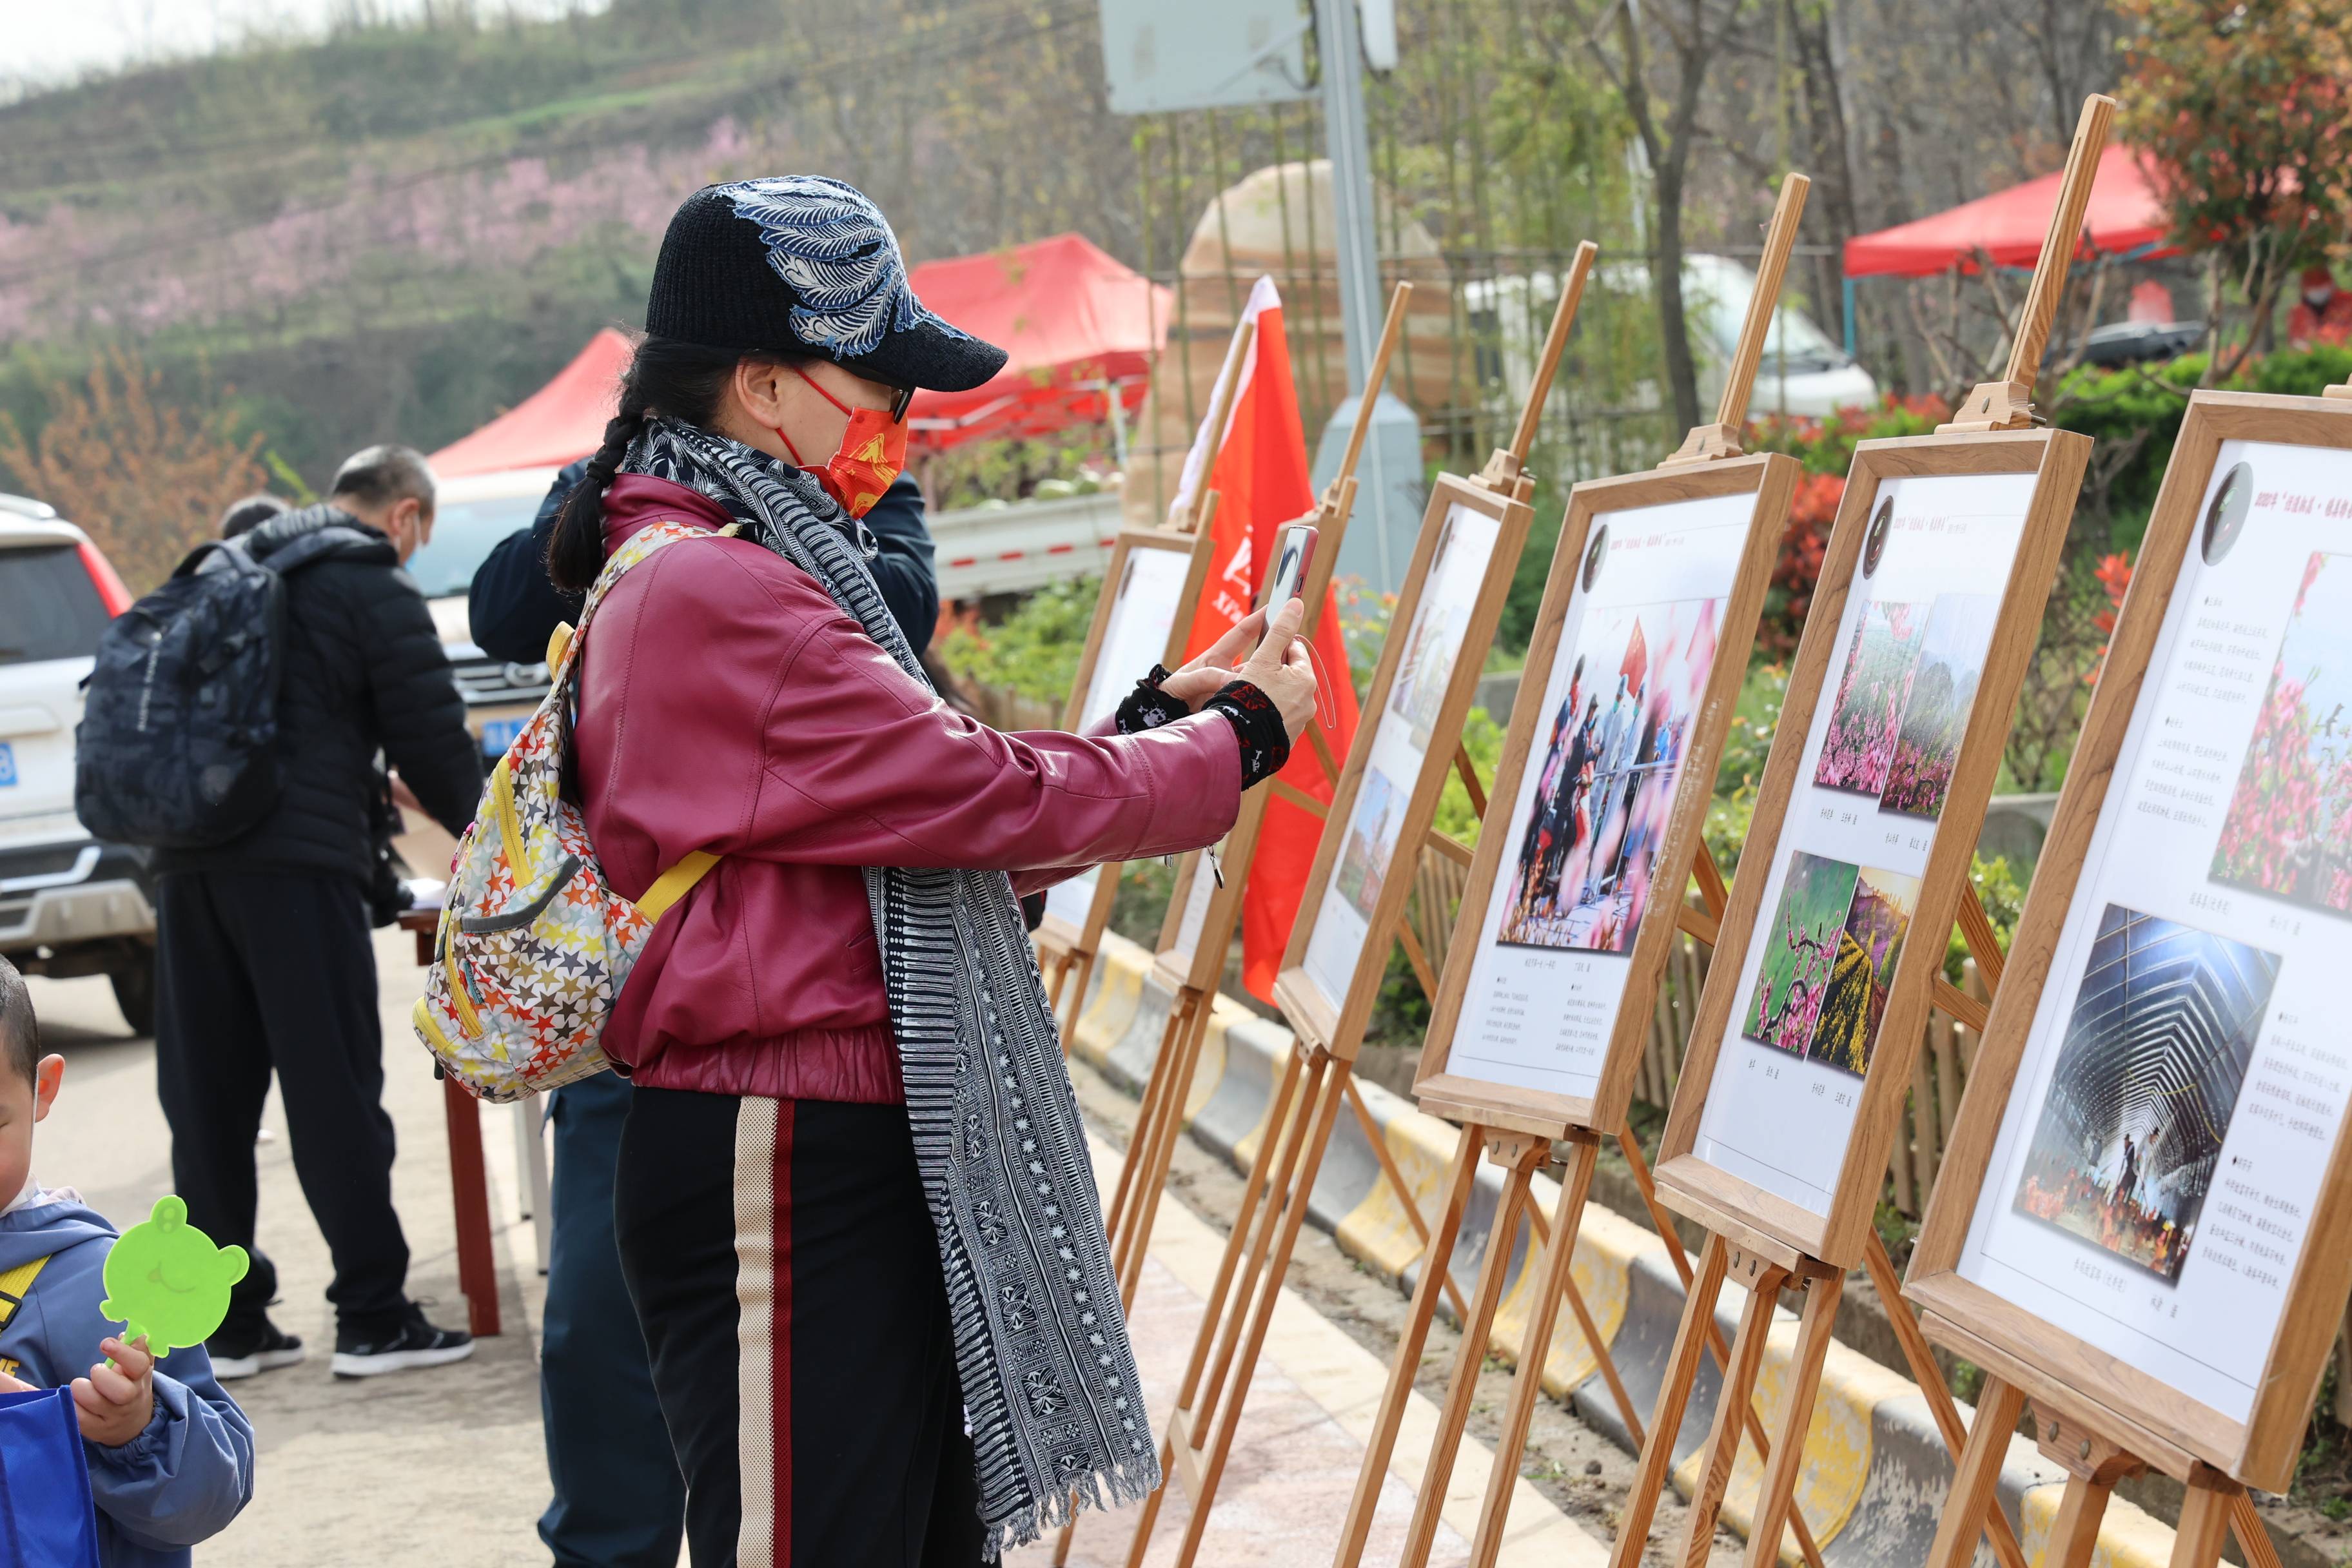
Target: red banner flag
[1261,481]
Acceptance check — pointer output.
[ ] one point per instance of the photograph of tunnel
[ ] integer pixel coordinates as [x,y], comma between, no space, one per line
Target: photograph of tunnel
[2147,1079]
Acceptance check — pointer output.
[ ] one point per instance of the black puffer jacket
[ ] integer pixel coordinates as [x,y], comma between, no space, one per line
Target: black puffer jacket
[363,669]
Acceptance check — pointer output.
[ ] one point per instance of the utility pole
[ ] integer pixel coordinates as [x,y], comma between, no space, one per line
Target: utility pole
[1391,499]
[1349,142]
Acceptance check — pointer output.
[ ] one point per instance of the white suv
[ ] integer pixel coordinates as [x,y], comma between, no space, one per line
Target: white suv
[69,905]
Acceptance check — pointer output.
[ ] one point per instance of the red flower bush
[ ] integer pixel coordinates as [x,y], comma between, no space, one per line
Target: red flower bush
[2115,574]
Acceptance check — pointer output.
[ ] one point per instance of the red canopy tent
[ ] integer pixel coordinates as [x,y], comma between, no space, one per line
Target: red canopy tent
[2125,218]
[563,420]
[1073,320]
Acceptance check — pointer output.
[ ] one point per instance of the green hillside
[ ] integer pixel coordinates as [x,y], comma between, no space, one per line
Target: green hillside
[396,232]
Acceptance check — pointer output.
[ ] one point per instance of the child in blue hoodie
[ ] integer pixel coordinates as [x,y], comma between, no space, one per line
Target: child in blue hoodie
[171,1456]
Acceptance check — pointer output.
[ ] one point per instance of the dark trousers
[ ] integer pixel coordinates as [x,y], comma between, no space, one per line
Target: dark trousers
[785,1271]
[260,971]
[620,1501]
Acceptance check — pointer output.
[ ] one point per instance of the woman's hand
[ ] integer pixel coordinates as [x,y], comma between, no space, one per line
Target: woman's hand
[1205,676]
[1281,668]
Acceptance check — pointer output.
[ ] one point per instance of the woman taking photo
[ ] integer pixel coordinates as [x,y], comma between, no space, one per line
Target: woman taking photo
[853,1206]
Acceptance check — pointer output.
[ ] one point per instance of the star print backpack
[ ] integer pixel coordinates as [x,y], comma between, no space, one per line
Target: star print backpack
[534,944]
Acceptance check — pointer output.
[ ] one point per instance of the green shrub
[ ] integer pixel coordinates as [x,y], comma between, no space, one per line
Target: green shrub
[1483,738]
[1034,650]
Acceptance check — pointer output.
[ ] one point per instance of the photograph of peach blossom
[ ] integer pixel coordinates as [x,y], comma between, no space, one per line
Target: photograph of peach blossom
[2288,832]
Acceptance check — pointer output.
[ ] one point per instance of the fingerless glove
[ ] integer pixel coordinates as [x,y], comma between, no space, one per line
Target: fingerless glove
[1257,724]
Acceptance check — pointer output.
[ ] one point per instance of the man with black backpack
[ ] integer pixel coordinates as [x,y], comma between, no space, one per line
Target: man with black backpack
[265,961]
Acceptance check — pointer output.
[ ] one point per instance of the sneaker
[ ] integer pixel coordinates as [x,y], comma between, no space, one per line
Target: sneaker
[416,1344]
[236,1356]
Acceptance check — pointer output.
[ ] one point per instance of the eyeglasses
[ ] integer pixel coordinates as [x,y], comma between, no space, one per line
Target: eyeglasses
[901,397]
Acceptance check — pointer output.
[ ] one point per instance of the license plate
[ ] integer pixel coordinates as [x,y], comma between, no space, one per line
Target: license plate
[7,764]
[498,734]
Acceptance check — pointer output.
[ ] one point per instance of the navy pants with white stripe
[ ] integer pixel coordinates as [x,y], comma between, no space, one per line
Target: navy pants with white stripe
[787,1277]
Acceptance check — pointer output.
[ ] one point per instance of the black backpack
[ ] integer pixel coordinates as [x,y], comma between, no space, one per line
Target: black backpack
[177,747]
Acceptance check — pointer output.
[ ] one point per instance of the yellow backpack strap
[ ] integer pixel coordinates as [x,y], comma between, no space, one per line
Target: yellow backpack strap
[13,1286]
[676,883]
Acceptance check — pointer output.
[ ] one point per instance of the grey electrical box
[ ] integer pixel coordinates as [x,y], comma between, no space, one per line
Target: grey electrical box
[1159,55]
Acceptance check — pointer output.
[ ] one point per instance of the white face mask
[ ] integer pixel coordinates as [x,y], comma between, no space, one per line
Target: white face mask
[2317,298]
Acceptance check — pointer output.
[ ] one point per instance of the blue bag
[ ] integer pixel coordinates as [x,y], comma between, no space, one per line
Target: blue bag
[47,1516]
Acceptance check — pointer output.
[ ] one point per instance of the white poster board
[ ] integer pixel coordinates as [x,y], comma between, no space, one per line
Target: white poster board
[1400,747]
[1845,875]
[1142,616]
[1578,866]
[2177,1101]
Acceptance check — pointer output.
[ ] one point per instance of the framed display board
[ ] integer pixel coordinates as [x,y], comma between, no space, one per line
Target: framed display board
[2144,1203]
[1641,645]
[1927,607]
[1152,581]
[1206,898]
[1387,794]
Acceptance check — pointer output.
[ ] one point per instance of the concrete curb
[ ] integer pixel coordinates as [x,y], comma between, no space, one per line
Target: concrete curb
[1876,1470]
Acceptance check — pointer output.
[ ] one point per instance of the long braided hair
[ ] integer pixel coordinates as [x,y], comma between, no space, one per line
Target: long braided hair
[678,380]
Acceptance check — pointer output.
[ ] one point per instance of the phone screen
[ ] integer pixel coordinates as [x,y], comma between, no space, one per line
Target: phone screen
[1294,548]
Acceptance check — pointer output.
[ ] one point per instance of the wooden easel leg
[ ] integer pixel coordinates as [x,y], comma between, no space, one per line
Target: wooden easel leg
[1776,1499]
[1145,1207]
[2253,1538]
[1085,965]
[1461,1178]
[1975,1476]
[1396,1182]
[1715,1346]
[1213,1313]
[1494,1272]
[1584,1322]
[1147,1117]
[1527,1379]
[1326,1104]
[1674,1398]
[1931,1379]
[1660,1220]
[2074,1533]
[2205,1510]
[1274,1210]
[1723,1437]
[1056,980]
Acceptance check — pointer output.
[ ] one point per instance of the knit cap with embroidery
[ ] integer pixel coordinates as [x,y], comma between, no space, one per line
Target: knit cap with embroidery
[802,264]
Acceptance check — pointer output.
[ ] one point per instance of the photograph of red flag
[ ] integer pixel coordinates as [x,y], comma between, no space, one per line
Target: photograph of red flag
[1260,473]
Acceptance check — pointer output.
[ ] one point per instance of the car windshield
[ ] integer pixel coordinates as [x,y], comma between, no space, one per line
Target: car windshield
[49,606]
[463,534]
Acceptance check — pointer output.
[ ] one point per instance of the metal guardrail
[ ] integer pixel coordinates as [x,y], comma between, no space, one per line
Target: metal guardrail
[1013,549]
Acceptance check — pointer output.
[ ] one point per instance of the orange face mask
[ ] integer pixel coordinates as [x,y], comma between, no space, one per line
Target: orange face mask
[872,451]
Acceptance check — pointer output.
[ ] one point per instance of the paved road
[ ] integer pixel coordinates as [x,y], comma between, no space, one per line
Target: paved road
[443,1466]
[446,1467]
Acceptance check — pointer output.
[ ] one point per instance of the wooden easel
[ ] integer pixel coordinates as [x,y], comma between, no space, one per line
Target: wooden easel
[1766,1241]
[1317,1075]
[2098,1415]
[1064,950]
[1193,974]
[1517,1129]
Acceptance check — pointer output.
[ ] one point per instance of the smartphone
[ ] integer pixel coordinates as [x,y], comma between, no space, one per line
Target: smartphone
[1294,548]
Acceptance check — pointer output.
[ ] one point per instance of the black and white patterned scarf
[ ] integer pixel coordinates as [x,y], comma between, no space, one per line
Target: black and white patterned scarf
[1049,1379]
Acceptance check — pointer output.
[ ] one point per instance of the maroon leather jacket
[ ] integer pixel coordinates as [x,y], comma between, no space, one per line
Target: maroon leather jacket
[728,704]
